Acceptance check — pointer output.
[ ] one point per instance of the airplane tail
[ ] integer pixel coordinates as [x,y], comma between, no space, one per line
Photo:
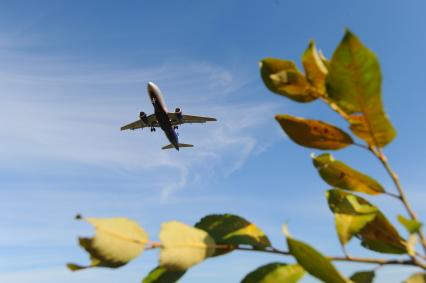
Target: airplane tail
[179,144]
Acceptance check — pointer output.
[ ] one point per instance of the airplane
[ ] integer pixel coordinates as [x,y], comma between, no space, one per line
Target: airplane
[162,118]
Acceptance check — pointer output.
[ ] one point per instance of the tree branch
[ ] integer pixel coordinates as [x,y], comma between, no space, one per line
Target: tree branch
[347,258]
[383,159]
[344,258]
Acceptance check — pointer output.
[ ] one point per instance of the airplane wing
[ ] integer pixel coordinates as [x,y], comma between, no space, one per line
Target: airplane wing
[188,119]
[139,124]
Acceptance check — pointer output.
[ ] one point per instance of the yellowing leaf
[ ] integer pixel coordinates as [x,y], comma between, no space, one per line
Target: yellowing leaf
[275,272]
[323,59]
[232,230]
[282,77]
[363,277]
[314,262]
[183,246]
[350,214]
[366,222]
[416,278]
[315,69]
[412,226]
[338,174]
[162,275]
[354,84]
[116,242]
[313,133]
[349,225]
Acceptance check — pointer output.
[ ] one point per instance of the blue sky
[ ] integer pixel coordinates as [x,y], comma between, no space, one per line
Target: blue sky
[73,72]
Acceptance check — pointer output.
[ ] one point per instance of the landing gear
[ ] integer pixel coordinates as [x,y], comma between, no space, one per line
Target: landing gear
[152,129]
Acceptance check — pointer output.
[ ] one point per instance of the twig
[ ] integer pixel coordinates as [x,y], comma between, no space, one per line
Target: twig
[383,159]
[345,258]
[267,250]
[378,261]
[272,250]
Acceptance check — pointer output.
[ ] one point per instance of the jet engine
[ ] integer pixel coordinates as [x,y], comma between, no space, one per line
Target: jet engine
[143,117]
[179,114]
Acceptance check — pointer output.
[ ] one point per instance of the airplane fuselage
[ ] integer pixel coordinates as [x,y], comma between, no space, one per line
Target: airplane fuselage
[162,118]
[161,113]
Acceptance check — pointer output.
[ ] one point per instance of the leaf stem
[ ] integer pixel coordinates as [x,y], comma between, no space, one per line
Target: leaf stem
[152,245]
[335,107]
[363,146]
[345,251]
[267,250]
[392,195]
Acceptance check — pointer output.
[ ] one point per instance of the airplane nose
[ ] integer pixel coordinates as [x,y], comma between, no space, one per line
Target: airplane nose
[151,87]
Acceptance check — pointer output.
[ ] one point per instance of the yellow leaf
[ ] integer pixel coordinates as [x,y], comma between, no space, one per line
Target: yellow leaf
[183,246]
[315,69]
[116,242]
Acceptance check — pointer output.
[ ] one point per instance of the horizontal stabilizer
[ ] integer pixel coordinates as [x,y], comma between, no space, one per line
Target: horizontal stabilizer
[180,145]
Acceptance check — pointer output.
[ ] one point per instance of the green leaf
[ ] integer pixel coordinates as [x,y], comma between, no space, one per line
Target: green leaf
[412,226]
[315,69]
[367,223]
[228,229]
[363,277]
[282,77]
[354,84]
[275,272]
[313,133]
[162,275]
[314,262]
[116,242]
[338,174]
[183,246]
[411,244]
[416,278]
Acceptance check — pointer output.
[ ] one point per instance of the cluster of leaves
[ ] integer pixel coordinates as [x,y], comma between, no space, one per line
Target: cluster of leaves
[350,83]
[119,240]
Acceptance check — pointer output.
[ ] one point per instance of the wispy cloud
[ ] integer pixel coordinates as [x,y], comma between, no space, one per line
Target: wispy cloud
[56,113]
[62,130]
